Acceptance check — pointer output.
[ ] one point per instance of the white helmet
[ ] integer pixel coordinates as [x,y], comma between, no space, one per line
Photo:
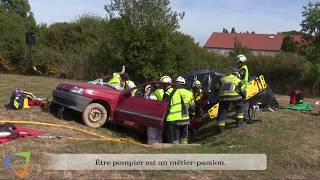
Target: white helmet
[196,83]
[166,79]
[241,58]
[181,80]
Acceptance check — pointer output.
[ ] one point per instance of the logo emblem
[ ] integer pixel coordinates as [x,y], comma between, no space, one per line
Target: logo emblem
[20,173]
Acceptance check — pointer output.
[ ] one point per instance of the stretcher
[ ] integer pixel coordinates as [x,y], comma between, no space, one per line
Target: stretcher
[254,87]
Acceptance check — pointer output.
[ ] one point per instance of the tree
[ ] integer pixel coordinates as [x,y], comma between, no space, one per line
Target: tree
[225,30]
[233,30]
[16,18]
[21,7]
[238,49]
[311,22]
[289,44]
[311,48]
[140,35]
[311,31]
[12,40]
[311,76]
[69,47]
[252,32]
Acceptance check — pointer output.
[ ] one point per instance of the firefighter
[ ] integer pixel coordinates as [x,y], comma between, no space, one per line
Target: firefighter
[242,69]
[125,82]
[149,92]
[177,119]
[155,135]
[116,77]
[182,125]
[174,110]
[231,92]
[159,92]
[198,98]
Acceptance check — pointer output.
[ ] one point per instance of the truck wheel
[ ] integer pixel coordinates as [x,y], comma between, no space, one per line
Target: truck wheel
[95,115]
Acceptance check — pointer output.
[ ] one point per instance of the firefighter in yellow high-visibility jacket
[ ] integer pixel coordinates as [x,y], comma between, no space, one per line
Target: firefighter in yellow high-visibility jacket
[231,92]
[243,70]
[198,96]
[177,120]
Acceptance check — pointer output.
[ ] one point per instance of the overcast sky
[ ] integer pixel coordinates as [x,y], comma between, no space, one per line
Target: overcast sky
[202,17]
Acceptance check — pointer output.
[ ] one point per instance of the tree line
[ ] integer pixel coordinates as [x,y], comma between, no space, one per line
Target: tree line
[143,35]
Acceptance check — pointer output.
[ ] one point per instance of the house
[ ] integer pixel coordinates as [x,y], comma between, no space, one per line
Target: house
[258,44]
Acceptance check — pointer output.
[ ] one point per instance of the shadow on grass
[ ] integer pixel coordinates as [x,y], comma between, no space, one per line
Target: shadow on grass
[212,130]
[64,114]
[138,134]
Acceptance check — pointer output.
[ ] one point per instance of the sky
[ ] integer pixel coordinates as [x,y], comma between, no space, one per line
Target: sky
[202,17]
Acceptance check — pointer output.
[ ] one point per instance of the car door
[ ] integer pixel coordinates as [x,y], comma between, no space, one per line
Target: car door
[141,111]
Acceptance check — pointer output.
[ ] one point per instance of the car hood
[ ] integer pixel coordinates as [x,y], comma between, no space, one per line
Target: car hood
[67,86]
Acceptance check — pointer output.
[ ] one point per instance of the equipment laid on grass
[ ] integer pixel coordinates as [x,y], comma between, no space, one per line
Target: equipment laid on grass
[296,97]
[10,131]
[16,100]
[23,100]
[300,107]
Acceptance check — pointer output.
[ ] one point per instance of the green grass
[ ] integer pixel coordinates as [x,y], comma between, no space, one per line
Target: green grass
[289,138]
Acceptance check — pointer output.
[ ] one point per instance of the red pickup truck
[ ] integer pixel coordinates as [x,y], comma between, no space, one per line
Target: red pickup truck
[101,103]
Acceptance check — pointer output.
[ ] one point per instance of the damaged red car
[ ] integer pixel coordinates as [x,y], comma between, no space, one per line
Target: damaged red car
[104,103]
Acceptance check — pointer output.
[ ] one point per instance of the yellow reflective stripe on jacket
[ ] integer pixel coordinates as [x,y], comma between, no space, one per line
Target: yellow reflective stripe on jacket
[239,116]
[16,103]
[221,123]
[229,86]
[229,94]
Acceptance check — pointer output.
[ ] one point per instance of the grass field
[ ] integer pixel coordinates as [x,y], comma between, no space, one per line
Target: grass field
[291,140]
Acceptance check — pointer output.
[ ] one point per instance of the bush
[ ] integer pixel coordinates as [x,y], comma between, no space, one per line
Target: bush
[283,73]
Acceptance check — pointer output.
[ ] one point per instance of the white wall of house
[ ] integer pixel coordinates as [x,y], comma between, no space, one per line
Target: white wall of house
[264,53]
[226,52]
[220,51]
